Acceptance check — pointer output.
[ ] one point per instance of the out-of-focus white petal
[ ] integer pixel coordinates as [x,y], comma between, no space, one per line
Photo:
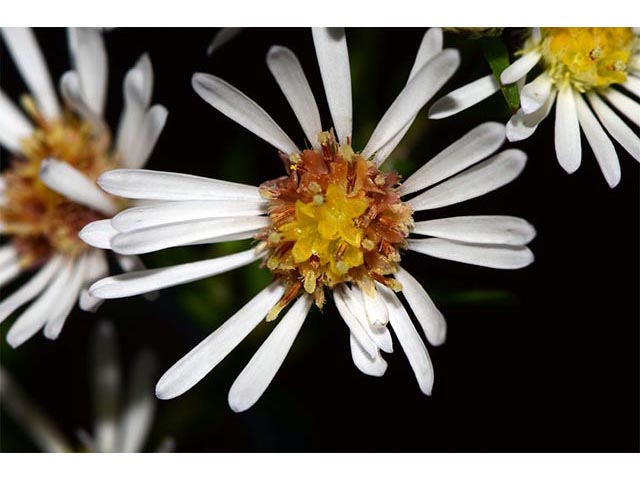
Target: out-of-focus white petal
[231,102]
[263,366]
[14,126]
[464,97]
[222,37]
[147,136]
[493,256]
[191,368]
[89,58]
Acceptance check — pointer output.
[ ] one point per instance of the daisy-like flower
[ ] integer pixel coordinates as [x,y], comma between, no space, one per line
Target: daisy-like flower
[120,424]
[580,67]
[48,192]
[333,223]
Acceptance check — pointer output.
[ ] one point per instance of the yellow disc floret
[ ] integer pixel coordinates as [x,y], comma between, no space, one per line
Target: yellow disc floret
[589,58]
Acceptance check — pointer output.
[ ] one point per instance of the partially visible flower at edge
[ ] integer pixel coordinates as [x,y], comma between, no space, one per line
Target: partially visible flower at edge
[334,222]
[116,428]
[48,193]
[577,63]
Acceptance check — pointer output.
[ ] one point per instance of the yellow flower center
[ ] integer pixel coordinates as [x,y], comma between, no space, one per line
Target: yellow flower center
[39,220]
[335,218]
[591,57]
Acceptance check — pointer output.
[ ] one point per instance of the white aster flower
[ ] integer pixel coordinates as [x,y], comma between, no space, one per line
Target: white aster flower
[577,64]
[120,424]
[48,193]
[334,222]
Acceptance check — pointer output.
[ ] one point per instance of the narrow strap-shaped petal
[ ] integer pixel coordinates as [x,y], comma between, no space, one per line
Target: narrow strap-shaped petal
[153,185]
[9,271]
[464,97]
[106,378]
[98,234]
[632,85]
[191,368]
[156,238]
[491,174]
[493,256]
[75,185]
[535,94]
[380,335]
[143,281]
[615,126]
[14,126]
[222,37]
[600,142]
[410,341]
[476,145]
[430,46]
[286,69]
[375,367]
[147,136]
[29,290]
[357,330]
[418,91]
[89,58]
[231,102]
[429,317]
[72,93]
[626,105]
[263,366]
[171,212]
[28,58]
[140,404]
[97,267]
[567,131]
[496,229]
[520,67]
[521,126]
[333,59]
[375,308]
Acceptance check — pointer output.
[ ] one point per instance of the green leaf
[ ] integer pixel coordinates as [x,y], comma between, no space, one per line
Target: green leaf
[497,55]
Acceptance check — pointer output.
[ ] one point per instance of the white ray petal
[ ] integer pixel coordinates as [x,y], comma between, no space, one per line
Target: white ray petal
[97,267]
[138,412]
[222,37]
[138,86]
[160,237]
[143,281]
[536,34]
[522,126]
[615,126]
[286,69]
[429,317]
[410,341]
[71,91]
[379,335]
[14,126]
[375,308]
[8,254]
[567,131]
[483,178]
[89,58]
[632,85]
[29,290]
[75,185]
[418,91]
[430,46]
[147,136]
[375,367]
[333,58]
[191,368]
[535,94]
[520,68]
[626,105]
[60,311]
[28,58]
[601,145]
[496,229]
[492,256]
[231,102]
[37,314]
[153,185]
[98,234]
[464,97]
[263,366]
[9,270]
[340,295]
[171,212]
[30,417]
[105,384]
[479,143]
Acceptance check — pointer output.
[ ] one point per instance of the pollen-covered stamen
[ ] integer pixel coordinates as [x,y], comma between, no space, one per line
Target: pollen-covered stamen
[335,218]
[40,220]
[588,58]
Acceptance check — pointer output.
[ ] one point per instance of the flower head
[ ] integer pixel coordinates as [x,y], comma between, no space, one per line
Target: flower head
[334,224]
[48,192]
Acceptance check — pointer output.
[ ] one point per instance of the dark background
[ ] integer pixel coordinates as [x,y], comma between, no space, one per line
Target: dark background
[540,359]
